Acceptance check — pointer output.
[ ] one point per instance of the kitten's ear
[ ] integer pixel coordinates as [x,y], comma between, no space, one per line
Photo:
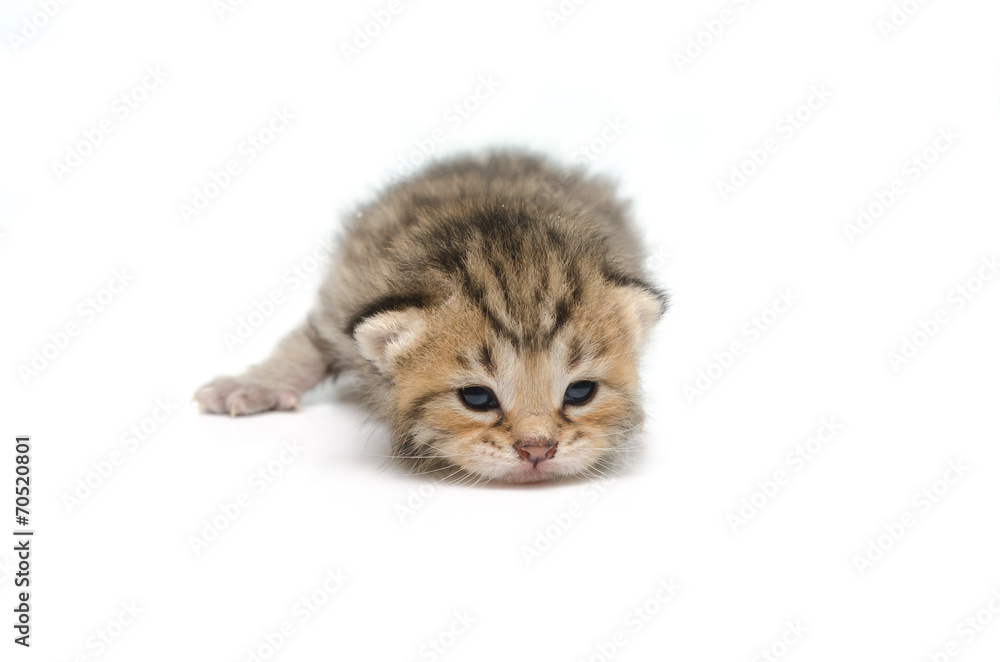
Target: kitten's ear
[644,305]
[384,337]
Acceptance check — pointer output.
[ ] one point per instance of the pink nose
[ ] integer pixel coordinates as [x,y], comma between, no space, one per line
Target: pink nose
[535,450]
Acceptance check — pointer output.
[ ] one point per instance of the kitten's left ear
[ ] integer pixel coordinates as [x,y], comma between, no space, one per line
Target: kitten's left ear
[644,305]
[383,337]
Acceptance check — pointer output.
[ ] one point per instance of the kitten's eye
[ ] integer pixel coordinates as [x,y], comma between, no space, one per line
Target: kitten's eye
[579,392]
[478,397]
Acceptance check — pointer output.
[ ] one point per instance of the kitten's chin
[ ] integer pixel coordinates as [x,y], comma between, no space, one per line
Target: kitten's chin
[514,472]
[532,474]
[527,473]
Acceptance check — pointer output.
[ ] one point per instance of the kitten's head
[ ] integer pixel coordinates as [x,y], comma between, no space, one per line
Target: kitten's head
[514,383]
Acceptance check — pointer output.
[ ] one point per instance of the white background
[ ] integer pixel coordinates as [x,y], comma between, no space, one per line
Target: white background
[414,562]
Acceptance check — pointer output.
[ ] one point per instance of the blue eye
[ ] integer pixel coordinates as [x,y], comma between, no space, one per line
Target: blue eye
[478,397]
[579,392]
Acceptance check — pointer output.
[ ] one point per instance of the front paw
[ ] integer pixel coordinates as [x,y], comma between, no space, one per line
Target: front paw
[239,396]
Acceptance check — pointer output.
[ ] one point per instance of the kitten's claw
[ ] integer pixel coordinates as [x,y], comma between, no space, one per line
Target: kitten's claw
[239,396]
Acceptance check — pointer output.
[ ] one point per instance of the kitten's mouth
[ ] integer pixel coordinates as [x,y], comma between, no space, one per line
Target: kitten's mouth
[533,473]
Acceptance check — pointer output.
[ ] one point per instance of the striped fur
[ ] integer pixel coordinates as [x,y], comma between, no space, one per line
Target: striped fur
[500,271]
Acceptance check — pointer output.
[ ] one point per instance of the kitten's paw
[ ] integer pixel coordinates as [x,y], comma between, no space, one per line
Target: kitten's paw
[239,396]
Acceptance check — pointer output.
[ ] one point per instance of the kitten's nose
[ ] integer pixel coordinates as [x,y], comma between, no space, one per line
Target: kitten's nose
[535,450]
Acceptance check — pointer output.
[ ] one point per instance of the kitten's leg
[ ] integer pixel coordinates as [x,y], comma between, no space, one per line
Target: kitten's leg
[300,361]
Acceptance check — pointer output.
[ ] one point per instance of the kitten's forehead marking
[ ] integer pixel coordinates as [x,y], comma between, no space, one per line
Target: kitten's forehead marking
[511,269]
[486,360]
[574,353]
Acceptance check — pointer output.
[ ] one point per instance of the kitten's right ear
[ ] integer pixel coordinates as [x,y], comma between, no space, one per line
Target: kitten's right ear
[383,337]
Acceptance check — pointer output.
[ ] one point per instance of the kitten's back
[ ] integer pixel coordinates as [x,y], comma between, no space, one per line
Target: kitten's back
[510,230]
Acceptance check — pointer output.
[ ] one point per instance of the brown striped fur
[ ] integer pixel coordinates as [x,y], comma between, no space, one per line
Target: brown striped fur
[500,271]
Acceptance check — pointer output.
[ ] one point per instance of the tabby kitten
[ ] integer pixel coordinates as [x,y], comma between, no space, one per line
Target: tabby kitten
[494,309]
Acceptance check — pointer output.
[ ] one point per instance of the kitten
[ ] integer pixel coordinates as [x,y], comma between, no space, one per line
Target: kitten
[494,309]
